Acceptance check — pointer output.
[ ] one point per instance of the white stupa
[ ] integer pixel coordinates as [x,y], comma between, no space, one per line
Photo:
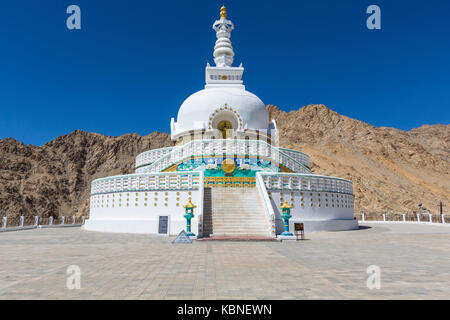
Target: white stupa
[226,175]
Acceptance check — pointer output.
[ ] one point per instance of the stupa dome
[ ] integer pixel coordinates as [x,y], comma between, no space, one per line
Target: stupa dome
[203,110]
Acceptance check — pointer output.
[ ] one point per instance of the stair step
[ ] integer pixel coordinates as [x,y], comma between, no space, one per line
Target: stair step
[234,212]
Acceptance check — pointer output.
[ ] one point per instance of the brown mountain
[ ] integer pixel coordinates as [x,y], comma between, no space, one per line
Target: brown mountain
[54,179]
[391,169]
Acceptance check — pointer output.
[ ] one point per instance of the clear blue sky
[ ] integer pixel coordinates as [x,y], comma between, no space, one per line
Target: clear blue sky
[134,62]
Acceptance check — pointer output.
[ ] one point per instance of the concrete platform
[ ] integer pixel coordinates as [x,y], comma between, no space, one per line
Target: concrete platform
[413,260]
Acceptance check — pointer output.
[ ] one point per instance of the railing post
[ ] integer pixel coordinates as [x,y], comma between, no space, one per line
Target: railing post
[443,218]
[36,221]
[73,219]
[363,216]
[82,220]
[404,217]
[50,221]
[384,217]
[21,221]
[418,217]
[430,217]
[62,219]
[4,222]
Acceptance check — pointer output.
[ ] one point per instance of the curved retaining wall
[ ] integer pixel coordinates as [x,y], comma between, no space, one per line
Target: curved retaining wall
[322,203]
[133,203]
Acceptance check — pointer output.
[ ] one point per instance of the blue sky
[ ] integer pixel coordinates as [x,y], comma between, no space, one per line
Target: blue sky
[134,62]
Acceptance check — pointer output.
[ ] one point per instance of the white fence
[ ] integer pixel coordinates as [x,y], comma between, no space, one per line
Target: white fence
[228,147]
[148,182]
[403,218]
[20,224]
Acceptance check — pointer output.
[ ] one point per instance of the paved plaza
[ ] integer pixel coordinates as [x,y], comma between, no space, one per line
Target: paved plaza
[414,261]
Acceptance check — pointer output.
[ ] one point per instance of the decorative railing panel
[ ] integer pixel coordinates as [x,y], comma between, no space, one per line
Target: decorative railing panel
[225,147]
[148,182]
[306,182]
[151,156]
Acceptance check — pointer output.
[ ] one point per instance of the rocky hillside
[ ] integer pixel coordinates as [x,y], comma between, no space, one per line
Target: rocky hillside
[391,169]
[54,179]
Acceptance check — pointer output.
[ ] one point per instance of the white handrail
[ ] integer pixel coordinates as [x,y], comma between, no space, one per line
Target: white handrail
[268,209]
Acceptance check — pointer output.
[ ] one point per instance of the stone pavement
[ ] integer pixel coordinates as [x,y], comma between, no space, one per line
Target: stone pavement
[414,262]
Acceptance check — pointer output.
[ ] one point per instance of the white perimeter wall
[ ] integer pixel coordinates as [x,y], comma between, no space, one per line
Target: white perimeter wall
[320,211]
[138,212]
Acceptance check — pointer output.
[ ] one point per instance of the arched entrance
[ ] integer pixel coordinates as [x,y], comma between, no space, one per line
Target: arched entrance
[225,121]
[224,126]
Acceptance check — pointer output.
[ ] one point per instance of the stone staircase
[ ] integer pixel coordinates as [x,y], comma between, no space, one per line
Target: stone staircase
[234,212]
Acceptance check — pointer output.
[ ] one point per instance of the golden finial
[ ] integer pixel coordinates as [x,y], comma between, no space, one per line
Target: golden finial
[189,205]
[223,12]
[286,205]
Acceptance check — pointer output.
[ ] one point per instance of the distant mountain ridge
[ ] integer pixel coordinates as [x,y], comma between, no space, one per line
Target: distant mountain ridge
[391,169]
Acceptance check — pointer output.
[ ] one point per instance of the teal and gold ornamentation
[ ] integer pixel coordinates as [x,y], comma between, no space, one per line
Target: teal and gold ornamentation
[189,207]
[286,207]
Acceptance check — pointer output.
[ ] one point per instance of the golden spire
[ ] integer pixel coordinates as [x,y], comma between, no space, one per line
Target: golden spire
[223,12]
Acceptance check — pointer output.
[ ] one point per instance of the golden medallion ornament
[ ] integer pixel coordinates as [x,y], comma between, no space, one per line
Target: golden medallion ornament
[228,165]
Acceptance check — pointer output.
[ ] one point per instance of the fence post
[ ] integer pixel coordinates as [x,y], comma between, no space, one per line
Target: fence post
[431,217]
[82,220]
[418,217]
[21,222]
[384,216]
[36,221]
[363,215]
[443,218]
[4,222]
[50,221]
[404,217]
[62,219]
[73,219]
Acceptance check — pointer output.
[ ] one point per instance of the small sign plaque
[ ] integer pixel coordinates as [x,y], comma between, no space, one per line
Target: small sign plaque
[163,224]
[299,230]
[182,238]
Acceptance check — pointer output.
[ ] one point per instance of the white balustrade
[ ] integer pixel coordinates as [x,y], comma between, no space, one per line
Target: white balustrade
[297,181]
[148,162]
[144,182]
[270,214]
[151,156]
